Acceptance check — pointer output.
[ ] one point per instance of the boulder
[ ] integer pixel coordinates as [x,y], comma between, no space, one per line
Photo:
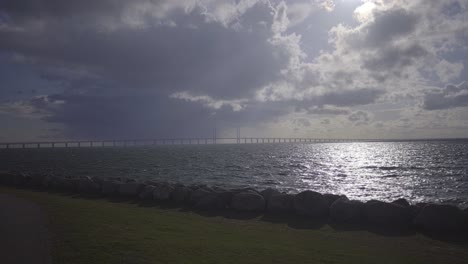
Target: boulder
[403,202]
[20,179]
[248,202]
[199,193]
[415,209]
[310,203]
[348,211]
[88,185]
[73,184]
[388,215]
[147,193]
[7,178]
[268,193]
[162,192]
[210,202]
[66,184]
[441,218]
[331,198]
[130,189]
[36,180]
[47,182]
[281,204]
[110,187]
[224,199]
[181,194]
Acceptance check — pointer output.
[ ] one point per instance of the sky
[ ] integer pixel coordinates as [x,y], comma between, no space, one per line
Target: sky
[118,69]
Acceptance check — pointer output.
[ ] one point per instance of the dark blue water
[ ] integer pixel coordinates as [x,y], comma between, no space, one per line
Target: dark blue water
[435,171]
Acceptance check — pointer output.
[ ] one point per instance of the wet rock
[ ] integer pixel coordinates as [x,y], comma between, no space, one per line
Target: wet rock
[87,185]
[441,218]
[147,193]
[20,179]
[268,193]
[415,209]
[73,184]
[199,193]
[110,187]
[388,215]
[248,202]
[403,202]
[281,204]
[310,203]
[181,194]
[331,198]
[35,180]
[211,202]
[130,189]
[162,192]
[7,178]
[244,190]
[344,210]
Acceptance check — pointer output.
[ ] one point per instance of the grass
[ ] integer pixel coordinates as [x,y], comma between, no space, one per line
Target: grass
[102,231]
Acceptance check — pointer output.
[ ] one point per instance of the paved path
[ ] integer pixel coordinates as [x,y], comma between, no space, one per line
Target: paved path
[23,233]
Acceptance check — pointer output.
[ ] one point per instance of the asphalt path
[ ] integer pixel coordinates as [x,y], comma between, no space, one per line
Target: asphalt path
[23,232]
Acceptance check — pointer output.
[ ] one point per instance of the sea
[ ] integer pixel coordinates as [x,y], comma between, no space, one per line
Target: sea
[419,171]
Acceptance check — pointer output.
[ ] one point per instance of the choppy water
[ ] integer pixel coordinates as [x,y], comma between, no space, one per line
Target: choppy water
[434,171]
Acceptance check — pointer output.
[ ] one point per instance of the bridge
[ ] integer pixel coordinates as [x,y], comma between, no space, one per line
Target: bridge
[169,141]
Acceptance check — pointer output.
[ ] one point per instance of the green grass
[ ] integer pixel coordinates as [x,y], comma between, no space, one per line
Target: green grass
[100,231]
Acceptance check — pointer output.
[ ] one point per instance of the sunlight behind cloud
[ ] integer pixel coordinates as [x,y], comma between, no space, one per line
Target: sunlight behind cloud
[364,12]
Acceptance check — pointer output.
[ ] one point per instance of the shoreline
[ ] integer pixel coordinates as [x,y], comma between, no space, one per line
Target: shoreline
[396,215]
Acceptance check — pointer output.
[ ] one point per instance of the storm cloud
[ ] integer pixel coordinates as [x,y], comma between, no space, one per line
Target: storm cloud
[144,68]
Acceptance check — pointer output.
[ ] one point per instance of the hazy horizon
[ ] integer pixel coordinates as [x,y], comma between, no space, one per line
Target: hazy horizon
[114,69]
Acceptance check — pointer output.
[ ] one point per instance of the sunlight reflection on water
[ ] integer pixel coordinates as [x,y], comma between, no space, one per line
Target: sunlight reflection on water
[418,171]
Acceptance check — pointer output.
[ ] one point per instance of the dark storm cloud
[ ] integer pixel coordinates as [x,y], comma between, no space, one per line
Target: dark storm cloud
[146,116]
[31,9]
[210,59]
[118,77]
[451,96]
[394,58]
[388,25]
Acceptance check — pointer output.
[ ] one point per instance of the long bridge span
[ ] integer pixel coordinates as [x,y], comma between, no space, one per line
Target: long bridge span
[168,141]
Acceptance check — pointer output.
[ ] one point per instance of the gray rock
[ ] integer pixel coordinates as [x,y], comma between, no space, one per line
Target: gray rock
[281,204]
[403,202]
[87,185]
[35,180]
[130,189]
[20,179]
[162,192]
[387,214]
[110,187]
[344,210]
[73,184]
[310,203]
[268,193]
[209,202]
[224,199]
[248,201]
[181,194]
[47,182]
[7,178]
[147,193]
[331,198]
[441,218]
[199,193]
[415,210]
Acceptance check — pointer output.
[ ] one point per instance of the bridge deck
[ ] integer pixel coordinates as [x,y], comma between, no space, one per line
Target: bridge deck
[167,141]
